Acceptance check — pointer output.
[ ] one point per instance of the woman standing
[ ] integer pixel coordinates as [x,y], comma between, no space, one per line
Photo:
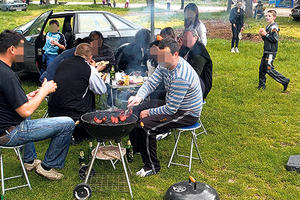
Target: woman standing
[191,21]
[236,19]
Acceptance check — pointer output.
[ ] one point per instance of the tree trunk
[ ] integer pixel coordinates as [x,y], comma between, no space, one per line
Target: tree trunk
[249,9]
[47,2]
[95,2]
[55,2]
[229,2]
[182,5]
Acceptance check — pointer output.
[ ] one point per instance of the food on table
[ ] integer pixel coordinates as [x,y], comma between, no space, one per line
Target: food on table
[136,80]
[102,62]
[103,75]
[121,82]
[126,80]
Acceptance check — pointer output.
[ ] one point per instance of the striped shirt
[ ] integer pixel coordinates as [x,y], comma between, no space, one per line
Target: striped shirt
[183,89]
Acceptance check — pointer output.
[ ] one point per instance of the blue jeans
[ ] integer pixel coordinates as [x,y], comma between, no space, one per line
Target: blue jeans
[47,58]
[59,129]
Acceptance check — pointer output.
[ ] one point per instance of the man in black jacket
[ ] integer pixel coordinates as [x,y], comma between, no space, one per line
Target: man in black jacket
[270,38]
[195,53]
[77,82]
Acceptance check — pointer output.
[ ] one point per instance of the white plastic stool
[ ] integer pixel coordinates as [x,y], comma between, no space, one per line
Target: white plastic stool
[18,153]
[192,130]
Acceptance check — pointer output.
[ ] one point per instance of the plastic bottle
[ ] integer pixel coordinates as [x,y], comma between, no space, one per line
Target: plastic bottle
[129,151]
[81,158]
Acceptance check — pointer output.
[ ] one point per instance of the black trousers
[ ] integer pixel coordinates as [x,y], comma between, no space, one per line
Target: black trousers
[235,35]
[144,138]
[267,67]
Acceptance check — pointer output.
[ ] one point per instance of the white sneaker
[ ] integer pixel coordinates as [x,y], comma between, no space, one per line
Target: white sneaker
[30,167]
[163,135]
[232,50]
[143,173]
[52,174]
[237,50]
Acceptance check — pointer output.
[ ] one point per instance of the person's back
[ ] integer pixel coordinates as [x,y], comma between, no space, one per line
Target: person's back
[72,98]
[135,55]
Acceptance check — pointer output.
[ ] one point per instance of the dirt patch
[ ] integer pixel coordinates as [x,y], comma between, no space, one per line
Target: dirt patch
[222,29]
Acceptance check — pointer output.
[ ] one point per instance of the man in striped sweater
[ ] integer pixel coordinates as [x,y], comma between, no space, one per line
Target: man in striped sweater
[182,106]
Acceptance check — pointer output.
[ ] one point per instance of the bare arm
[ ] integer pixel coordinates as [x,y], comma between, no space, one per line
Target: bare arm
[29,107]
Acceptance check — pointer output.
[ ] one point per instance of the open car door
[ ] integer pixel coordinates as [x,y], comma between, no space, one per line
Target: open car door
[34,39]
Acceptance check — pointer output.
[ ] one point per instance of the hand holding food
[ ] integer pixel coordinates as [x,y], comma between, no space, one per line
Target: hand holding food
[32,94]
[262,32]
[48,87]
[102,62]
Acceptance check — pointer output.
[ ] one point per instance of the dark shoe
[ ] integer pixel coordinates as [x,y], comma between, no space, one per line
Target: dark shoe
[261,87]
[285,86]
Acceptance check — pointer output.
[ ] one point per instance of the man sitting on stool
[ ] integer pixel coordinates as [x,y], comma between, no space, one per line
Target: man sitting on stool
[182,106]
[16,128]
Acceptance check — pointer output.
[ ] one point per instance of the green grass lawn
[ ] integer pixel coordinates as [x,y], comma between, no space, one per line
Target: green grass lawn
[251,134]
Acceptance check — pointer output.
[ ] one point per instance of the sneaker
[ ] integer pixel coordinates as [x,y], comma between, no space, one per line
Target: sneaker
[30,167]
[237,50]
[52,174]
[162,136]
[285,86]
[143,173]
[232,50]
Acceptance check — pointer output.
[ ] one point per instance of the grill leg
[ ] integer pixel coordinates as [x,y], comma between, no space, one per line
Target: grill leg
[92,163]
[112,162]
[125,170]
[2,173]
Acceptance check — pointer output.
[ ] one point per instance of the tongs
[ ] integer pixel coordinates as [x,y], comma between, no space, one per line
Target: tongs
[129,109]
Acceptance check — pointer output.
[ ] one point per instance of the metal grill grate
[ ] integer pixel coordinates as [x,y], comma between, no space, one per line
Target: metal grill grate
[108,182]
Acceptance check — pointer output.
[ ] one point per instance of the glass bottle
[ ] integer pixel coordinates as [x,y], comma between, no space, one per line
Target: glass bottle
[112,72]
[90,149]
[129,151]
[81,158]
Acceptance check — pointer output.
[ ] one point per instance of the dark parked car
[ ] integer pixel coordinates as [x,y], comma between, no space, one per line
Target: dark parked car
[13,5]
[75,24]
[296,13]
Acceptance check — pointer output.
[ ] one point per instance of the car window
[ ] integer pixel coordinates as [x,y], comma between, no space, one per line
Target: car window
[89,22]
[25,27]
[37,25]
[118,23]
